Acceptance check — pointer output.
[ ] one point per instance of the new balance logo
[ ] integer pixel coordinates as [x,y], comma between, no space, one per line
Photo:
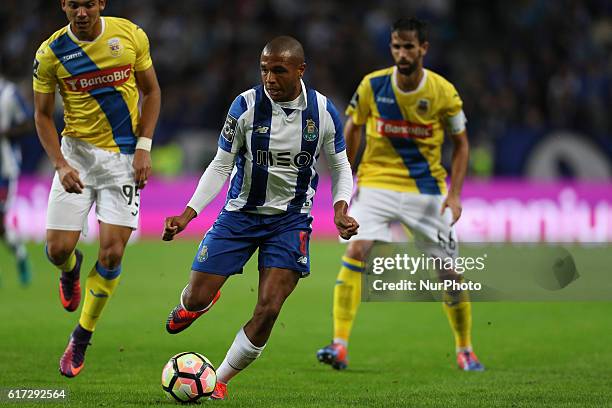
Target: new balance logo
[303,260]
[261,129]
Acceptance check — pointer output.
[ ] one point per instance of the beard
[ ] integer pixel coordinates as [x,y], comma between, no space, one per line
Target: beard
[407,70]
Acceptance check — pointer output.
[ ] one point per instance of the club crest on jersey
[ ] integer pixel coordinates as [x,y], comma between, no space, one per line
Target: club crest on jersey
[423,106]
[203,254]
[116,48]
[310,132]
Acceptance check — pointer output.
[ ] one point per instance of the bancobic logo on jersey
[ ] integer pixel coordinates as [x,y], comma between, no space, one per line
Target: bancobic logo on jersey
[99,79]
[402,128]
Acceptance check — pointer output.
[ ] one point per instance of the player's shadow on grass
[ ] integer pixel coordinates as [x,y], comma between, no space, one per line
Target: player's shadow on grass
[325,367]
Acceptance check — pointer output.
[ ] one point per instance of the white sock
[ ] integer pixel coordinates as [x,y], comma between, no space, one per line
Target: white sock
[463,349]
[341,341]
[240,354]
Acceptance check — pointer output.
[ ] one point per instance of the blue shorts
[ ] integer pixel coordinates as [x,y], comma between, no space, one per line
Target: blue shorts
[283,242]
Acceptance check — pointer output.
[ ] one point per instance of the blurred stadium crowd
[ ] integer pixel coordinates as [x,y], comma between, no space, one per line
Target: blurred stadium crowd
[524,69]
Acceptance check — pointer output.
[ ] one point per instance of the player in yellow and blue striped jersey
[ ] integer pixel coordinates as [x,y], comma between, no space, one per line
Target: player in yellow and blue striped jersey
[406,110]
[99,64]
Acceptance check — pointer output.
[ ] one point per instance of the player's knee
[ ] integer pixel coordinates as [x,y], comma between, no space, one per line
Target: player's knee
[110,256]
[357,250]
[58,252]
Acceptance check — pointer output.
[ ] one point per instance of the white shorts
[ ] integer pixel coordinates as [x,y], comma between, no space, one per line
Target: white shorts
[377,209]
[109,183]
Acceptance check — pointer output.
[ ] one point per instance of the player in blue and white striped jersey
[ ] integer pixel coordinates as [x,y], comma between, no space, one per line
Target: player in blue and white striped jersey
[14,121]
[270,143]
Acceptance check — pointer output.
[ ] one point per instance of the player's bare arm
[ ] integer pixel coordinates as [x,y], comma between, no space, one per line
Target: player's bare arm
[347,225]
[459,165]
[44,104]
[151,101]
[352,136]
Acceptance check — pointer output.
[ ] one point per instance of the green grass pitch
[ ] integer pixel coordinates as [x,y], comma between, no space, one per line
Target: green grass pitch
[401,354]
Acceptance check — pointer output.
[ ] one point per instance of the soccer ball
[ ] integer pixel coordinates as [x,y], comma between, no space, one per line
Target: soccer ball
[188,376]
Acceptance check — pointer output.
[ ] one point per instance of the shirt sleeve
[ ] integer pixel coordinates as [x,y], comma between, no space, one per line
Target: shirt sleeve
[212,180]
[335,151]
[334,137]
[143,53]
[359,106]
[43,71]
[232,137]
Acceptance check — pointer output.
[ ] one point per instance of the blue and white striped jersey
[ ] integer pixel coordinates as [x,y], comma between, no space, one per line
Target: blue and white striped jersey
[276,150]
[13,112]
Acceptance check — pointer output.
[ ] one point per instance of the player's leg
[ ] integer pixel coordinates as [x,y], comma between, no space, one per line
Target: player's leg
[66,218]
[373,209]
[109,176]
[197,298]
[9,236]
[223,252]
[104,276]
[284,257]
[435,236]
[347,297]
[117,208]
[62,253]
[275,285]
[100,286]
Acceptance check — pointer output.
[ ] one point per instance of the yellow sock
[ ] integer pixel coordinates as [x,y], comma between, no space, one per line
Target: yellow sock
[347,296]
[101,284]
[68,265]
[459,315]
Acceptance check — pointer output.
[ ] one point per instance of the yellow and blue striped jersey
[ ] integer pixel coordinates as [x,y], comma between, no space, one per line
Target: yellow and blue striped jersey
[96,81]
[405,131]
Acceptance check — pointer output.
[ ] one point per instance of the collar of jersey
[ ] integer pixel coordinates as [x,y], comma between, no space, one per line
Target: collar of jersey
[303,100]
[417,89]
[76,39]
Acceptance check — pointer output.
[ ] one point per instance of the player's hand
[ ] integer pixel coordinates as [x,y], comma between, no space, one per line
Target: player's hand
[454,203]
[174,225]
[347,226]
[142,167]
[69,177]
